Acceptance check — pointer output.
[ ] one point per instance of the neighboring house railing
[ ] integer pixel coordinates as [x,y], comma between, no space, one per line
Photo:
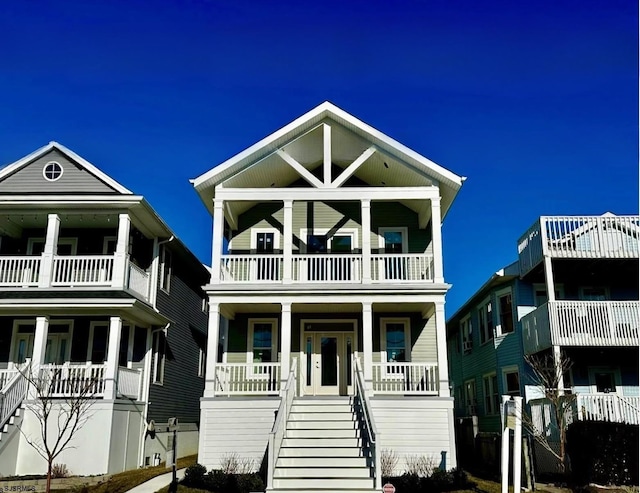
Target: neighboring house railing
[370,435]
[280,425]
[19,271]
[609,407]
[82,270]
[346,268]
[130,383]
[582,323]
[605,236]
[405,378]
[247,378]
[70,380]
[138,280]
[12,394]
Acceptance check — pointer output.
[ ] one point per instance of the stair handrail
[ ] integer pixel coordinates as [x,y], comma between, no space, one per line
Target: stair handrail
[276,435]
[361,394]
[12,395]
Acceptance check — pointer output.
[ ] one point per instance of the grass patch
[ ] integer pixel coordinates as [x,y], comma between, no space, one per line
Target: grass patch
[183,489]
[124,481]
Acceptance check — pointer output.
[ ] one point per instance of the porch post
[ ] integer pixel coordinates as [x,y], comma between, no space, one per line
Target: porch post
[121,254]
[366,240]
[548,278]
[113,353]
[367,339]
[287,240]
[213,334]
[436,240]
[285,343]
[50,247]
[218,234]
[441,341]
[40,341]
[557,361]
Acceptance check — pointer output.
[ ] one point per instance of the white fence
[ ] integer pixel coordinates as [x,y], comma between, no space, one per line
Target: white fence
[19,271]
[405,378]
[247,379]
[402,267]
[82,270]
[138,280]
[73,380]
[582,323]
[129,382]
[609,407]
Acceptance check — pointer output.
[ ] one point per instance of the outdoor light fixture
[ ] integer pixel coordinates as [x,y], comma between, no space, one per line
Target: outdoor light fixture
[386,165]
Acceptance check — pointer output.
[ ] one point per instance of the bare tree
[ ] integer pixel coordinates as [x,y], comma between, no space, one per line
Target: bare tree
[550,429]
[60,399]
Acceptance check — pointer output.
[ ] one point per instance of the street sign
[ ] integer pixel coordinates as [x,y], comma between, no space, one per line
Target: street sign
[389,488]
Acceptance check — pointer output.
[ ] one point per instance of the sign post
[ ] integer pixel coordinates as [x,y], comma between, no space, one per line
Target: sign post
[511,414]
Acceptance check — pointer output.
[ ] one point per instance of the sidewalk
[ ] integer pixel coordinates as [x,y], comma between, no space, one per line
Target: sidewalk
[157,483]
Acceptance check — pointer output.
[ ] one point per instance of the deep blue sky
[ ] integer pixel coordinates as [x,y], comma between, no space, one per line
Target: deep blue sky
[535,102]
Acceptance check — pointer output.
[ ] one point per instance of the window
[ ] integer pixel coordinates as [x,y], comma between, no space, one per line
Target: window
[265,241]
[603,380]
[511,381]
[52,171]
[159,349]
[66,246]
[491,397]
[505,312]
[97,349]
[165,269]
[466,334]
[593,294]
[395,340]
[470,401]
[540,293]
[393,240]
[262,341]
[316,244]
[485,322]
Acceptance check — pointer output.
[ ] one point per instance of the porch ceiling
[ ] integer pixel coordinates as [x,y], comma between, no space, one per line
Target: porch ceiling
[235,308]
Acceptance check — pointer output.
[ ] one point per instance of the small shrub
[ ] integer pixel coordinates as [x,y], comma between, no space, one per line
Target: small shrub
[246,465]
[230,463]
[388,462]
[420,465]
[195,476]
[59,471]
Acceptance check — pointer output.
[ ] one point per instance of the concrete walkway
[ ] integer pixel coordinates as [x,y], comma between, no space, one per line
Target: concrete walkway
[157,483]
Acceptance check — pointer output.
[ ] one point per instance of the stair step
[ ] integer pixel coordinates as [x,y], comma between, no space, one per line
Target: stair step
[321,408]
[328,461]
[321,416]
[324,483]
[321,425]
[321,442]
[319,433]
[322,472]
[337,452]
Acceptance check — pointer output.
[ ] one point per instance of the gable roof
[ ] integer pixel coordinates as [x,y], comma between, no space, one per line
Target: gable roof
[448,182]
[20,164]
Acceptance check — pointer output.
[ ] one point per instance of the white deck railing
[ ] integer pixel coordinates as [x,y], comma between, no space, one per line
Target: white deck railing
[70,380]
[12,394]
[370,435]
[579,237]
[247,379]
[402,267]
[19,271]
[82,270]
[129,383]
[251,268]
[582,323]
[405,378]
[282,417]
[327,267]
[138,280]
[609,407]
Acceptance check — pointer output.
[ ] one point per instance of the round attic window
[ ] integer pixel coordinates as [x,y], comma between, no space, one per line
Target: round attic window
[52,171]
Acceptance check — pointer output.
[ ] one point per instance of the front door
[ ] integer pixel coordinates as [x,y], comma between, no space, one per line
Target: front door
[328,363]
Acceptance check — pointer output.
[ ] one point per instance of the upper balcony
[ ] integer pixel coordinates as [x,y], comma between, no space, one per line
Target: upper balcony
[581,323]
[606,236]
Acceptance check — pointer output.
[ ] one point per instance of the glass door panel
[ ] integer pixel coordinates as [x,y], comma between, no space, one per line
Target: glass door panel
[329,361]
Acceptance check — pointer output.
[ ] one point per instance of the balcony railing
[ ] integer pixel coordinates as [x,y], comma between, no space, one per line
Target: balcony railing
[581,323]
[82,270]
[405,378]
[579,237]
[343,268]
[138,280]
[19,271]
[608,407]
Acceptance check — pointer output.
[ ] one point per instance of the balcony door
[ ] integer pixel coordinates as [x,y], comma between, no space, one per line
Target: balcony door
[324,261]
[58,347]
[265,243]
[393,243]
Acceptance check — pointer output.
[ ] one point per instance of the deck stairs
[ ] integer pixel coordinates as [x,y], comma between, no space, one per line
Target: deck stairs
[322,449]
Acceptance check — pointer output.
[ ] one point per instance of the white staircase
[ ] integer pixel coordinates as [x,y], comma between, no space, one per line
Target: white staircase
[322,449]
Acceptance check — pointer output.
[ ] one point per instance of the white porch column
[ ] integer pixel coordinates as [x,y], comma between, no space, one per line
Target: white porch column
[113,353]
[285,342]
[557,361]
[367,339]
[218,234]
[40,341]
[213,333]
[365,205]
[436,240]
[50,249]
[441,341]
[287,240]
[122,251]
[548,278]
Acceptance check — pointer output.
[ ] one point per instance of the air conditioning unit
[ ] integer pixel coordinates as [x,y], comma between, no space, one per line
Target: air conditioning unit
[467,346]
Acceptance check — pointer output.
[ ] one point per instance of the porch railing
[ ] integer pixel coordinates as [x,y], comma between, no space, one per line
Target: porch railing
[138,280]
[19,271]
[69,380]
[251,268]
[6,376]
[79,270]
[582,323]
[130,382]
[12,393]
[327,267]
[405,378]
[370,435]
[247,378]
[609,407]
[280,425]
[402,267]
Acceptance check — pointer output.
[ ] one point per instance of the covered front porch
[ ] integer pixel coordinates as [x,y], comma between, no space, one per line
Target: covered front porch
[397,345]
